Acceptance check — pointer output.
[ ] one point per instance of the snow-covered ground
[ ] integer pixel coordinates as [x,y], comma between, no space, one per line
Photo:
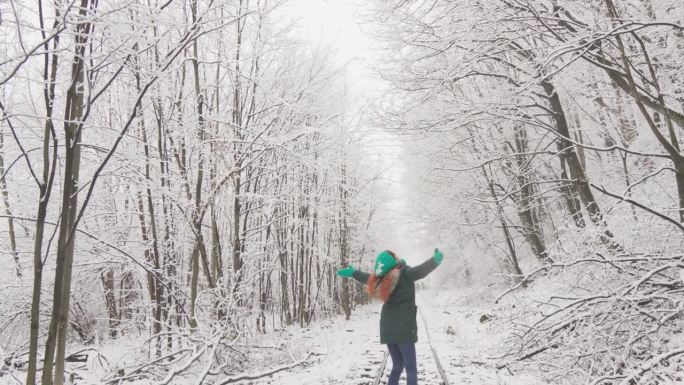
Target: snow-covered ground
[345,350]
[336,351]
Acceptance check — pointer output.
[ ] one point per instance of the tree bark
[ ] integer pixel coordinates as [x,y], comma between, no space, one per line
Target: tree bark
[107,278]
[671,146]
[45,191]
[8,209]
[531,229]
[216,257]
[572,201]
[344,243]
[513,264]
[59,322]
[579,178]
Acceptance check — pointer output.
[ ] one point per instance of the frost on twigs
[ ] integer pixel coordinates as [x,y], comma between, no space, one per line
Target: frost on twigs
[608,318]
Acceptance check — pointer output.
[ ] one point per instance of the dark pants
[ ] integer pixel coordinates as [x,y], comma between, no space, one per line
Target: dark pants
[403,357]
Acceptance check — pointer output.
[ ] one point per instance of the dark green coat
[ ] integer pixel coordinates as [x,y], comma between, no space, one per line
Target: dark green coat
[398,316]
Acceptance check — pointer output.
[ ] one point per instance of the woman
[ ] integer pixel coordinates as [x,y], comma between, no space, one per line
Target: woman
[393,283]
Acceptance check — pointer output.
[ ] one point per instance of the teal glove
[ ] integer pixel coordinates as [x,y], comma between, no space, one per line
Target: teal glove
[347,272]
[438,256]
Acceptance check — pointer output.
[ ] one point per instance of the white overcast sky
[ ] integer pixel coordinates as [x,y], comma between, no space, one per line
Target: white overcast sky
[340,24]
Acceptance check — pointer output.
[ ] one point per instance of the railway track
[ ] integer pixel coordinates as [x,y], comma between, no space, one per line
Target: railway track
[377,367]
[372,366]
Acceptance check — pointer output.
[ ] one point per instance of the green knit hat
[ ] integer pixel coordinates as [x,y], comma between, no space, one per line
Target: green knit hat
[384,262]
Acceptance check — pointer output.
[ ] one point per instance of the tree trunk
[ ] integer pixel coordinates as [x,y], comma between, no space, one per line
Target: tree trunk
[8,210]
[671,146]
[59,322]
[216,258]
[513,264]
[37,283]
[572,202]
[531,229]
[580,182]
[200,247]
[155,287]
[49,76]
[284,296]
[107,278]
[344,245]
[237,208]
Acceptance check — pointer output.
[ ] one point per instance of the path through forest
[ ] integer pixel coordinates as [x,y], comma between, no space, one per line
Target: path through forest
[347,352]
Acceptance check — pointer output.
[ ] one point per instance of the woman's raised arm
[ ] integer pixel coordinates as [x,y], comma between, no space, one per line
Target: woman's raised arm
[350,272]
[425,268]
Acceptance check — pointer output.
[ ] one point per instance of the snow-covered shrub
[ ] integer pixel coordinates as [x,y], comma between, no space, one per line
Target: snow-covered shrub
[604,318]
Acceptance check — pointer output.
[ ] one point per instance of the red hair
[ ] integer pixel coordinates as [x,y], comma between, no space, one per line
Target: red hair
[381,287]
[378,287]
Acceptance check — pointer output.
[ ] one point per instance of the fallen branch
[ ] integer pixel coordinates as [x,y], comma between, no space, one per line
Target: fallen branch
[528,355]
[648,367]
[639,205]
[122,376]
[205,372]
[173,372]
[265,374]
[612,262]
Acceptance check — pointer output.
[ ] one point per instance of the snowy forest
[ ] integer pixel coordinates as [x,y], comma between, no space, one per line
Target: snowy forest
[180,180]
